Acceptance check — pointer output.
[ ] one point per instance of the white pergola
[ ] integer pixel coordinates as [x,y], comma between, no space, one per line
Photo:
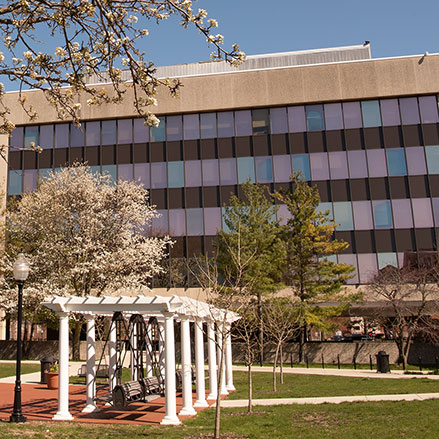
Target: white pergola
[167,310]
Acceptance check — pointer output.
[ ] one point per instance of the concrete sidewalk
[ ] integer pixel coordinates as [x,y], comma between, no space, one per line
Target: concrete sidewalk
[395,374]
[330,399]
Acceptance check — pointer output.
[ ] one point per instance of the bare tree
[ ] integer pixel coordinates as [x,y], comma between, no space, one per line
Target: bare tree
[406,305]
[281,323]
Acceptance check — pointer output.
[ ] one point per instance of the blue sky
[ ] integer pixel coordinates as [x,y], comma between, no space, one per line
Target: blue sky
[394,27]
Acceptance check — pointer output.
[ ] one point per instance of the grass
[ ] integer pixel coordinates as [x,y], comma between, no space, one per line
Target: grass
[297,386]
[8,369]
[386,420]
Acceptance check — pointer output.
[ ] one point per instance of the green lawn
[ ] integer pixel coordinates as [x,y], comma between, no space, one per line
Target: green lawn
[386,420]
[8,369]
[296,386]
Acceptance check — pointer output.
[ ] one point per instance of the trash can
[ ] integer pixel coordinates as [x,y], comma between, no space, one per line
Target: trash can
[382,362]
[46,364]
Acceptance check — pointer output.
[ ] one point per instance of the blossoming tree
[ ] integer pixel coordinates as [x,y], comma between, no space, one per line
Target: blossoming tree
[84,235]
[94,37]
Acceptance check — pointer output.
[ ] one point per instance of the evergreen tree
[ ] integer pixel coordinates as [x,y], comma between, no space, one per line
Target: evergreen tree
[309,242]
[251,226]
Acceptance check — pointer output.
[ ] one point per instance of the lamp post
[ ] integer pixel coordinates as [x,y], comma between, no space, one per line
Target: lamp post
[21,271]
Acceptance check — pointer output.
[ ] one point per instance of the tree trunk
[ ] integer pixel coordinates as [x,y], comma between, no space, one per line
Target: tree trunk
[76,340]
[302,341]
[250,389]
[281,362]
[276,356]
[261,331]
[217,433]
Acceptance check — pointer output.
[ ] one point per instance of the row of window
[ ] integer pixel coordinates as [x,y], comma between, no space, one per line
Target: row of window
[266,169]
[300,118]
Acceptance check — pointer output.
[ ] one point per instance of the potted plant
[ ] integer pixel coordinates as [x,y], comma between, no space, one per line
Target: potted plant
[52,376]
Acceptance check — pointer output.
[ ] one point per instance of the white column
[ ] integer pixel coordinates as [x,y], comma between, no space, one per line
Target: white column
[199,366]
[213,378]
[221,362]
[112,357]
[162,348]
[91,367]
[229,363]
[63,413]
[149,352]
[170,391]
[186,369]
[133,354]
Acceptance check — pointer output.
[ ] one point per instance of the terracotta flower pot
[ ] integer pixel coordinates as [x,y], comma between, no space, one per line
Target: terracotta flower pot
[52,379]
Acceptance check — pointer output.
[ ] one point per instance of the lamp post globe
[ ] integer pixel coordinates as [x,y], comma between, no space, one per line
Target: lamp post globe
[21,272]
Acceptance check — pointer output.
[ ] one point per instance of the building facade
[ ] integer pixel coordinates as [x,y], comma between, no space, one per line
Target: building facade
[365,131]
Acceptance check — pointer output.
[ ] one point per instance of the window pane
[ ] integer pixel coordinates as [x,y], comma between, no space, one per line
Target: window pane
[125,172]
[422,213]
[175,174]
[108,132]
[297,119]
[352,115]
[46,136]
[160,225]
[350,260]
[246,169]
[158,134]
[208,125]
[124,131]
[191,124]
[110,170]
[367,265]
[387,259]
[416,160]
[396,161]
[382,214]
[283,214]
[333,116]
[17,137]
[243,123]
[62,135]
[210,172]
[428,107]
[44,173]
[390,112]
[278,120]
[142,174]
[76,136]
[264,169]
[260,121]
[31,136]
[315,118]
[177,222]
[228,174]
[174,128]
[338,165]
[432,153]
[29,180]
[15,182]
[371,113]
[158,175]
[141,131]
[357,164]
[435,202]
[409,111]
[93,133]
[225,124]
[212,220]
[362,215]
[195,226]
[402,214]
[300,162]
[319,166]
[326,208]
[343,215]
[376,160]
[282,168]
[193,173]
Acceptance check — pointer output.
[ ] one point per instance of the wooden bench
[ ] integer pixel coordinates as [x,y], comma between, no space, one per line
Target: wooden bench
[151,385]
[130,391]
[101,371]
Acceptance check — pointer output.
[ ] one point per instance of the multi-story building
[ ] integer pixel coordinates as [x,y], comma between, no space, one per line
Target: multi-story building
[365,131]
